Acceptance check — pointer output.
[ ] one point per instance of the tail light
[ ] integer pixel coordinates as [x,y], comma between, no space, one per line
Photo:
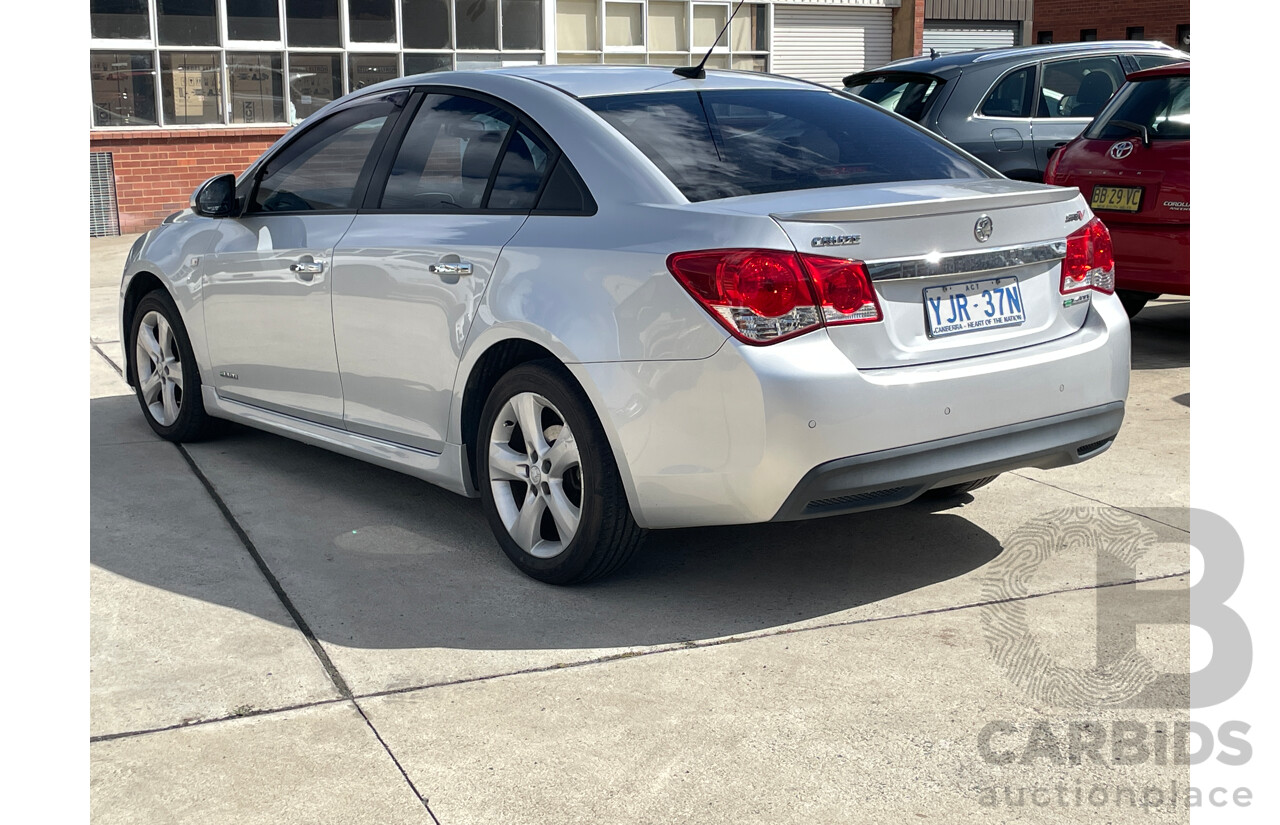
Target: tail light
[766,295]
[1090,263]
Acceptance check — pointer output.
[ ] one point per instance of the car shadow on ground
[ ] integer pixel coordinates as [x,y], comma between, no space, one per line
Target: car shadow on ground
[1162,335]
[376,559]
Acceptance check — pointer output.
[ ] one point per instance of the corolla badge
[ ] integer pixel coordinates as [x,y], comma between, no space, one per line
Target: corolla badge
[1121,150]
[982,229]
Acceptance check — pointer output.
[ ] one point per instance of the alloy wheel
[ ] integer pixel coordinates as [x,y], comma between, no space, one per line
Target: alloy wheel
[535,473]
[159,365]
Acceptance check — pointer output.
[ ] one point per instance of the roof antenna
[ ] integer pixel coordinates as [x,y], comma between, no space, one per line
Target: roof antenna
[697,72]
[933,54]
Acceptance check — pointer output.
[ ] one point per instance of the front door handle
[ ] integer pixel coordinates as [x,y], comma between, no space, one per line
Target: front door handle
[460,268]
[308,267]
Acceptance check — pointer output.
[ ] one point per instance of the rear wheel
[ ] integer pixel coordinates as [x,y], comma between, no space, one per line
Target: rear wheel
[1134,301]
[166,378]
[548,481]
[953,490]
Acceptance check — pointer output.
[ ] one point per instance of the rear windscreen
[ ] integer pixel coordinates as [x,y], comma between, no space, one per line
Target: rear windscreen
[720,144]
[1161,106]
[908,95]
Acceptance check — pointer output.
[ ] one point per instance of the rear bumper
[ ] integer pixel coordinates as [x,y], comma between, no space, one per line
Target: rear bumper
[892,477]
[742,436]
[1152,257]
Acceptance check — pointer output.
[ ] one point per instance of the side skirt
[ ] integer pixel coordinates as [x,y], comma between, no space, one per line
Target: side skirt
[447,469]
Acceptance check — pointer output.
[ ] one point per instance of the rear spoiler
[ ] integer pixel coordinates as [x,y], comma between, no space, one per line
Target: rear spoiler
[864,77]
[933,206]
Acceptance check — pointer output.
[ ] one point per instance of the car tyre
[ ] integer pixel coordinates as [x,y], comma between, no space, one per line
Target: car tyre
[549,484]
[1133,302]
[166,378]
[953,490]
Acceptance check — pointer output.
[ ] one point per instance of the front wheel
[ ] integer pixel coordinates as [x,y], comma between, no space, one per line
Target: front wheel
[166,378]
[549,485]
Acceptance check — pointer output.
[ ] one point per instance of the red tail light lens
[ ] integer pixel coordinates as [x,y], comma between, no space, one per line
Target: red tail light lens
[1090,262]
[766,295]
[1051,172]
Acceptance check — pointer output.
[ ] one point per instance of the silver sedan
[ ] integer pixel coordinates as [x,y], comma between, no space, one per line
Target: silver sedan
[610,300]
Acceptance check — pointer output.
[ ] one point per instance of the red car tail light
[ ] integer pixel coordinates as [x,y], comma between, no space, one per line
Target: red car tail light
[1051,171]
[1090,262]
[767,295]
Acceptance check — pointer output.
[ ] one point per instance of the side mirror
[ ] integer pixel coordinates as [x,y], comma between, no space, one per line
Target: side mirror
[216,197]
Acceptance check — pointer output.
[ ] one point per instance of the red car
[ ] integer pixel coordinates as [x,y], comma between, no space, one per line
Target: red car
[1133,163]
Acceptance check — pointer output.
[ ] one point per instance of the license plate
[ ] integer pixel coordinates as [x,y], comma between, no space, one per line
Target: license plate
[971,306]
[1116,198]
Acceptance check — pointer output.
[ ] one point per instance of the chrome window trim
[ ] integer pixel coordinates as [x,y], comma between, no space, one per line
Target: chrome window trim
[966,263]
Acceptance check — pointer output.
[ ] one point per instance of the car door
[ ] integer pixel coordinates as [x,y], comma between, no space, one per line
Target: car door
[267,279]
[409,274]
[1001,134]
[1071,92]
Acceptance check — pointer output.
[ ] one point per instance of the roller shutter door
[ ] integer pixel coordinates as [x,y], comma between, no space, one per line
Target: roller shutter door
[825,43]
[961,37]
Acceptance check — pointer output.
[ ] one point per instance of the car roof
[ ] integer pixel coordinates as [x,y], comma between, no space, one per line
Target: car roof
[595,80]
[930,65]
[1171,70]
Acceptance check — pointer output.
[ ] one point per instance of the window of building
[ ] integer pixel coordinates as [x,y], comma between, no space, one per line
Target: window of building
[253,20]
[124,88]
[313,22]
[187,22]
[1088,35]
[477,24]
[371,21]
[368,69]
[120,19]
[1044,37]
[662,33]
[426,25]
[1183,35]
[1134,33]
[255,83]
[191,84]
[314,80]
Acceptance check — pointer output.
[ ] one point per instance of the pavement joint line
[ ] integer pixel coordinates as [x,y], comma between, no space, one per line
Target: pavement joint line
[329,667]
[1103,503]
[692,645]
[107,737]
[107,358]
[395,761]
[668,648]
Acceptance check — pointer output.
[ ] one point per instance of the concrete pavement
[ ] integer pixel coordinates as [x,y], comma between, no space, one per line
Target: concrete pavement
[280,634]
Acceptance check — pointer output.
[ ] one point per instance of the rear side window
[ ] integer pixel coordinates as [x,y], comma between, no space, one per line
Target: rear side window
[721,144]
[1011,97]
[1161,106]
[908,95]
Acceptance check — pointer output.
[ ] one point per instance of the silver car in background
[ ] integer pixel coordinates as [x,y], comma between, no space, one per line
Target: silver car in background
[609,300]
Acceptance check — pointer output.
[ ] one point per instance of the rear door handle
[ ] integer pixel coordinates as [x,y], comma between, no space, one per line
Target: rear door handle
[460,268]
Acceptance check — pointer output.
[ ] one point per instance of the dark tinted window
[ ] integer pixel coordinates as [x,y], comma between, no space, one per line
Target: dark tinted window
[565,192]
[253,20]
[744,142]
[320,170]
[1161,105]
[908,95]
[447,155]
[1011,97]
[520,174]
[186,22]
[119,19]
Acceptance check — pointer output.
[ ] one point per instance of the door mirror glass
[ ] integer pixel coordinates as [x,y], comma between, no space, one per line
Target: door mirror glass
[216,197]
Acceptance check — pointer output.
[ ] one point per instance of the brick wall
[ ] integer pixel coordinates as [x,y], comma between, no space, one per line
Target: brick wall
[158,169]
[1066,18]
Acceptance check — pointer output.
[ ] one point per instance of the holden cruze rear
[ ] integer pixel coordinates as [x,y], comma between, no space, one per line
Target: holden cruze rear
[896,318]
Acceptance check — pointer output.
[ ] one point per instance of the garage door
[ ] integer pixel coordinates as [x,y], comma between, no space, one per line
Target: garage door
[825,43]
[961,37]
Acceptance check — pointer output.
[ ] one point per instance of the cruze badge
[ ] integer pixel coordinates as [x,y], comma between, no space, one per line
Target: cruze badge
[1121,150]
[982,229]
[836,240]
